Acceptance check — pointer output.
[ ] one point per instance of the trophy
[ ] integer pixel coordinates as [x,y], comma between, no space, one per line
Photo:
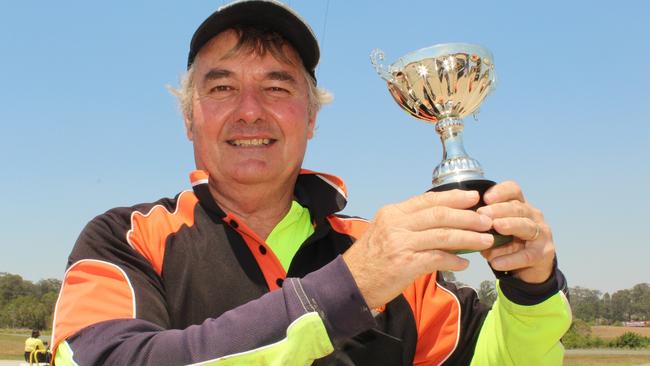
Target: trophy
[441,85]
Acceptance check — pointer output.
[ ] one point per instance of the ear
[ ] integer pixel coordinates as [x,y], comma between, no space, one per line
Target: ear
[188,128]
[311,124]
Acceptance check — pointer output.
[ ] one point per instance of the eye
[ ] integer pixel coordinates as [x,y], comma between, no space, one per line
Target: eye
[222,88]
[278,90]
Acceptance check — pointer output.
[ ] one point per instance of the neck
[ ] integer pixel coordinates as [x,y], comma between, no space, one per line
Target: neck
[261,207]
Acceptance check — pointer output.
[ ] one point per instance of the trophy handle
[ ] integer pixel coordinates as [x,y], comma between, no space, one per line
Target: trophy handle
[376,56]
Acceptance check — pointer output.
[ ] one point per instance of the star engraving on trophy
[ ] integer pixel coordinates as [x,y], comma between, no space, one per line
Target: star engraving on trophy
[448,63]
[422,70]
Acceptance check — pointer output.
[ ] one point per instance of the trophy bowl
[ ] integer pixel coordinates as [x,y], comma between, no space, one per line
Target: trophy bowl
[441,85]
[442,81]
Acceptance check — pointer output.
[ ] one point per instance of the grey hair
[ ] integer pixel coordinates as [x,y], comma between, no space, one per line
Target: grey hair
[184,93]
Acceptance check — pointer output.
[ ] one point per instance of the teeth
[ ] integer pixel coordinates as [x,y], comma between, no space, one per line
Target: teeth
[252,142]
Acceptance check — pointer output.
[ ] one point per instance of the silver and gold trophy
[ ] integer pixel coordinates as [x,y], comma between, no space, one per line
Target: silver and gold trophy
[441,85]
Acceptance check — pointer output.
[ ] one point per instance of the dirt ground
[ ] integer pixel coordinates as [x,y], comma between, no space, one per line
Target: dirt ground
[609,332]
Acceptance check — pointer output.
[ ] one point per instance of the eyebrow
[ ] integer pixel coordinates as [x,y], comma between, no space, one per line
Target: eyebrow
[279,75]
[214,74]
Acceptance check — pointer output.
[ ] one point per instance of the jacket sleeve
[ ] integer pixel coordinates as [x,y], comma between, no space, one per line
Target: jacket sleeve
[525,324]
[98,318]
[523,327]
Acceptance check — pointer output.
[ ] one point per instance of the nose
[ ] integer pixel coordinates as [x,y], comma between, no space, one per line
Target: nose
[250,108]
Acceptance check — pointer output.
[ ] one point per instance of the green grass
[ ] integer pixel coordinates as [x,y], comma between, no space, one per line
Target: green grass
[605,360]
[12,345]
[12,342]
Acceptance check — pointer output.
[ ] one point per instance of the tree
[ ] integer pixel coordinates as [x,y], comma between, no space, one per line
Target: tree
[25,304]
[49,300]
[606,308]
[487,292]
[640,302]
[585,303]
[11,287]
[621,305]
[46,286]
[630,340]
[25,312]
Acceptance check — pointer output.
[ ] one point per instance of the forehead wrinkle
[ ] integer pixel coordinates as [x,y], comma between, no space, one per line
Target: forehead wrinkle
[285,56]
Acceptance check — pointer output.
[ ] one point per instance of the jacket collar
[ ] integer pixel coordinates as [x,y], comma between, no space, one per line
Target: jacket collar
[323,194]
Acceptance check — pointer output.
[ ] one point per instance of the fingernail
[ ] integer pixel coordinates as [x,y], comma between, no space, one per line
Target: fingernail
[485,211]
[470,194]
[487,239]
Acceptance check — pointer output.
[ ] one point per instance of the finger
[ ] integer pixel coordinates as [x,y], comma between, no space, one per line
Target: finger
[449,240]
[502,192]
[521,227]
[512,247]
[440,216]
[511,208]
[439,260]
[454,198]
[524,258]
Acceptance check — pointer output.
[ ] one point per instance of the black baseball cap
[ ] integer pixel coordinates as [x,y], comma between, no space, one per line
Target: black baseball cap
[269,14]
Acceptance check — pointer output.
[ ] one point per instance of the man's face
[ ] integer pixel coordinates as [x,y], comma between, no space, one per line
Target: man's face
[251,120]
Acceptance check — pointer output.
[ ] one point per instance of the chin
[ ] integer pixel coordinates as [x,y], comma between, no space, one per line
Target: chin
[253,173]
[265,174]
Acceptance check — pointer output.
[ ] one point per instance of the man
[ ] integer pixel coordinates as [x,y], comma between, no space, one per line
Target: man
[35,350]
[255,265]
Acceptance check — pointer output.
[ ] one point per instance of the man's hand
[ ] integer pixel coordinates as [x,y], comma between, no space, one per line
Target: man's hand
[415,237]
[530,255]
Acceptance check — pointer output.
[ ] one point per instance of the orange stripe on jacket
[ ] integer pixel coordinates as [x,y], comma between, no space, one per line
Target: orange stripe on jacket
[92,291]
[199,176]
[349,226]
[149,232]
[336,182]
[437,318]
[436,310]
[353,227]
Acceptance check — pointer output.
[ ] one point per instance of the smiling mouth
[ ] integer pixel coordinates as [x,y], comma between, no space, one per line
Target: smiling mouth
[251,142]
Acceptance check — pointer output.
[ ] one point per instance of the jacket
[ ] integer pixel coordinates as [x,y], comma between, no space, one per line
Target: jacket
[180,281]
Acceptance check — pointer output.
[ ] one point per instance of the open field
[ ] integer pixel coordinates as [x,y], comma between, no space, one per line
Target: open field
[606,357]
[609,332]
[599,357]
[12,343]
[12,346]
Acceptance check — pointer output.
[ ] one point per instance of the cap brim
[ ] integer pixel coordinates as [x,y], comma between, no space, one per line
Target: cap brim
[271,15]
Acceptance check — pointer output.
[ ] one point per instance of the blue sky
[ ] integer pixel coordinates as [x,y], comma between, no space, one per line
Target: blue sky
[86,123]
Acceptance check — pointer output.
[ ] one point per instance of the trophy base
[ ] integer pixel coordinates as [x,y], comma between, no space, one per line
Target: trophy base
[480,185]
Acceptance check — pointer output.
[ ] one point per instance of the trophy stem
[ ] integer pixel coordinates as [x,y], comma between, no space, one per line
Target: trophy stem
[456,165]
[459,171]
[451,135]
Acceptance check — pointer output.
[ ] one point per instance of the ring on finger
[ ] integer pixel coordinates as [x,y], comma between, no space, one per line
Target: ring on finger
[537,232]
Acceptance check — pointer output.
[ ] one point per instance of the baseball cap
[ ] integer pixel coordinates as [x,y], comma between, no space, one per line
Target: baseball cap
[269,14]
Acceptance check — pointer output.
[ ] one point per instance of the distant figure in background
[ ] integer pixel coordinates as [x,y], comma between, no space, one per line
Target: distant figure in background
[35,345]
